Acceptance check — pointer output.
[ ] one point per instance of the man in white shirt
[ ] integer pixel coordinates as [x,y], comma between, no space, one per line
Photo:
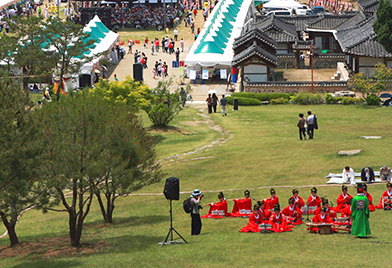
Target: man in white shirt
[348,175]
[175,32]
[311,120]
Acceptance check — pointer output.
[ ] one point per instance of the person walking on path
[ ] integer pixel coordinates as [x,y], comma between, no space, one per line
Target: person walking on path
[182,45]
[214,101]
[178,54]
[195,213]
[209,103]
[360,215]
[175,32]
[312,124]
[152,48]
[156,44]
[301,125]
[223,103]
[130,44]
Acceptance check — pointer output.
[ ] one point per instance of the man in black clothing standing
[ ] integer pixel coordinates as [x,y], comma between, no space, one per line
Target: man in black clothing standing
[195,214]
[178,54]
[312,124]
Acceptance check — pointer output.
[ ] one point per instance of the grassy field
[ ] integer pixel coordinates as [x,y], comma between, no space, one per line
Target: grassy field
[256,148]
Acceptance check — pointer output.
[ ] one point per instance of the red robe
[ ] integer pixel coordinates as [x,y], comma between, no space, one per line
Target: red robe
[370,198]
[330,212]
[217,210]
[242,208]
[279,223]
[270,202]
[294,214]
[343,202]
[253,224]
[385,194]
[319,219]
[298,202]
[314,202]
[265,214]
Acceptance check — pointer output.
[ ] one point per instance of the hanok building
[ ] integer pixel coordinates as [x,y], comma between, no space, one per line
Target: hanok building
[255,52]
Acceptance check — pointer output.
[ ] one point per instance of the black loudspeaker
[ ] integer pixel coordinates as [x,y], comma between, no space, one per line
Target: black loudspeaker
[138,72]
[235,104]
[172,189]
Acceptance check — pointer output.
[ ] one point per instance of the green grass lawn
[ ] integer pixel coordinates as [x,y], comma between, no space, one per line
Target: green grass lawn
[262,149]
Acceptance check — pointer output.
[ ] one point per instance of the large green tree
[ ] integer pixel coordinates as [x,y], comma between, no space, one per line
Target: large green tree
[66,46]
[20,155]
[383,24]
[90,143]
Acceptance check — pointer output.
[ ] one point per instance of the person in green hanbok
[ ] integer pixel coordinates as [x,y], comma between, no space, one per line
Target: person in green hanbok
[360,215]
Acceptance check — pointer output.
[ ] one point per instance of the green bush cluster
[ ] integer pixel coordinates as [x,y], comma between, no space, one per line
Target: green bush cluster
[307,98]
[262,96]
[329,99]
[244,101]
[350,100]
[373,99]
[279,101]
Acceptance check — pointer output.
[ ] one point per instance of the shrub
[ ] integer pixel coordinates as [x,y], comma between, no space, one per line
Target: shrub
[163,113]
[373,100]
[350,100]
[262,96]
[245,101]
[332,100]
[307,98]
[279,101]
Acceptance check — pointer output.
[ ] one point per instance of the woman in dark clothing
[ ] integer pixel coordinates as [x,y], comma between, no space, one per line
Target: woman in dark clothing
[209,103]
[214,101]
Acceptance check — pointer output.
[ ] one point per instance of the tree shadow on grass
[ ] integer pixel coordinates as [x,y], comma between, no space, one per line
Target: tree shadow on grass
[128,243]
[128,221]
[48,263]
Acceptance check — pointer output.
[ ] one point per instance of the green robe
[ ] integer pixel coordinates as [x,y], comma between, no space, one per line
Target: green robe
[360,216]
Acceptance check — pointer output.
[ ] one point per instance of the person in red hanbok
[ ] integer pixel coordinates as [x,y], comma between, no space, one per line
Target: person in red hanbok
[387,193]
[264,212]
[314,200]
[254,220]
[278,221]
[271,201]
[293,213]
[298,201]
[328,210]
[369,197]
[217,210]
[322,218]
[343,200]
[242,207]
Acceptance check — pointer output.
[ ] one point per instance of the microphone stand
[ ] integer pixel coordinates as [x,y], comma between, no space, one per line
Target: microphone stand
[307,214]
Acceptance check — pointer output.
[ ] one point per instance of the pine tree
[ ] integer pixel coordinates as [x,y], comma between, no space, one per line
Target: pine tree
[383,25]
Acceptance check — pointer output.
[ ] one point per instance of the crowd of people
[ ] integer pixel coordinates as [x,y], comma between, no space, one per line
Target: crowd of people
[266,214]
[212,103]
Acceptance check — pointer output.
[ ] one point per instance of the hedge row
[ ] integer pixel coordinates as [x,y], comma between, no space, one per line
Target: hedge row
[244,101]
[262,96]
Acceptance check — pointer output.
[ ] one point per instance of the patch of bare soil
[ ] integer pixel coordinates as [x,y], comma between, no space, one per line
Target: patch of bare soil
[50,247]
[168,129]
[192,123]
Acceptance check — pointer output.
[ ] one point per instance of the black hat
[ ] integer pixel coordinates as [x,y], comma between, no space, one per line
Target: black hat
[246,192]
[256,207]
[389,184]
[277,207]
[295,191]
[313,190]
[325,201]
[323,209]
[291,200]
[272,191]
[221,195]
[260,203]
[362,185]
[360,190]
[344,187]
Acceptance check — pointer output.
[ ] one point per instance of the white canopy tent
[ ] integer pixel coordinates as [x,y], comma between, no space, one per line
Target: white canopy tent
[214,45]
[292,4]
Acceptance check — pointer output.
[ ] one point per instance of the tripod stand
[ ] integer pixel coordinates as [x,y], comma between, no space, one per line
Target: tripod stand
[170,233]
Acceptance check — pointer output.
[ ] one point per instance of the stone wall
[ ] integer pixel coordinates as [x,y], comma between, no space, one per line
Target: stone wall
[327,60]
[295,87]
[286,61]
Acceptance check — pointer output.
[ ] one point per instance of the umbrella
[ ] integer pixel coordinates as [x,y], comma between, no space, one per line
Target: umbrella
[385,96]
[211,91]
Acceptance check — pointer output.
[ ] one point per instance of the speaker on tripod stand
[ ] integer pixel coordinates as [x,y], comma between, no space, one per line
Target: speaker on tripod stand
[172,192]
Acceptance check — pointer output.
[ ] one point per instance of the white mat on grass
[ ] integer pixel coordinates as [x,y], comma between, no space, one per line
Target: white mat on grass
[339,180]
[340,175]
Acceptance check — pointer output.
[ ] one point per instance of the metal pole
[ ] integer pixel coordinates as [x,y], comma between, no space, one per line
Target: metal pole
[171,220]
[58,8]
[164,15]
[69,7]
[311,62]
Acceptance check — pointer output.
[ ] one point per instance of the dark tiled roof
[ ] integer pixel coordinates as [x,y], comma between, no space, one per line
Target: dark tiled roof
[361,40]
[328,21]
[277,29]
[368,6]
[254,50]
[302,45]
[301,22]
[352,22]
[254,33]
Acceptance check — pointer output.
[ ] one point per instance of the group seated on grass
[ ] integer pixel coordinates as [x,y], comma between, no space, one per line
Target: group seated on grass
[266,214]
